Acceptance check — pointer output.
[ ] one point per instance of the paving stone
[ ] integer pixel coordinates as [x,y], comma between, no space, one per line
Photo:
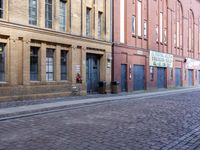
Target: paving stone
[163,122]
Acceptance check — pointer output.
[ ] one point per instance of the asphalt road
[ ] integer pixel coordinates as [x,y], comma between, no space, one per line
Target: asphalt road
[160,122]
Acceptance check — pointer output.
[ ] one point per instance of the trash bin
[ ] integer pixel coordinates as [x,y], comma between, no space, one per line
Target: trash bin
[102,87]
[115,87]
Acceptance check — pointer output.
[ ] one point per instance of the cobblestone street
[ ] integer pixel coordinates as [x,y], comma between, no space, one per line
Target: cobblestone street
[161,122]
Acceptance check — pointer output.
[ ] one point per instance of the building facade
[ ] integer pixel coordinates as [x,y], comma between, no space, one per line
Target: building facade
[156,44]
[54,47]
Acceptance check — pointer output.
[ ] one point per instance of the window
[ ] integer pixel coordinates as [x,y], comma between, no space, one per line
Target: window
[177,34]
[171,73]
[139,18]
[191,34]
[33,12]
[48,13]
[1,9]
[62,16]
[133,24]
[151,73]
[88,21]
[145,29]
[2,62]
[34,64]
[99,24]
[165,36]
[161,27]
[63,65]
[156,33]
[178,26]
[50,64]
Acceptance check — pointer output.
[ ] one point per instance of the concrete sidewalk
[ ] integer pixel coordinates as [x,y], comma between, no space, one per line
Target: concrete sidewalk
[12,111]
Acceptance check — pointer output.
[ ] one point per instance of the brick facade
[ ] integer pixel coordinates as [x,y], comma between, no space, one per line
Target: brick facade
[178,34]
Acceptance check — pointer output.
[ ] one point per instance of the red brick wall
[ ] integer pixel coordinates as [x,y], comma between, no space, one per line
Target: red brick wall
[126,53]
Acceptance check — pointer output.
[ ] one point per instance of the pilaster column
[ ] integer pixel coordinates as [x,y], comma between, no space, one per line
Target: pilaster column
[43,62]
[57,66]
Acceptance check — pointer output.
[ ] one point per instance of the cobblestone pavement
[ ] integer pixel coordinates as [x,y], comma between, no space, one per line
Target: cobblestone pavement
[164,122]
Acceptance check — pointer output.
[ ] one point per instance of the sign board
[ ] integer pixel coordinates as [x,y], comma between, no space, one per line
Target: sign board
[160,59]
[78,68]
[192,64]
[140,52]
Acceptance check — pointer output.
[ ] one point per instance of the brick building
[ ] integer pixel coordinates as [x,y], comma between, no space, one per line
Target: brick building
[156,43]
[44,44]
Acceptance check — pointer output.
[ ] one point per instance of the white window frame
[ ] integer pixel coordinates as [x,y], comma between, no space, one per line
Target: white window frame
[139,18]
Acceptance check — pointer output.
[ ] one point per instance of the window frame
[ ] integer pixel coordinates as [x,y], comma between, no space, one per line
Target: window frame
[65,72]
[31,10]
[63,15]
[88,21]
[32,75]
[48,17]
[133,24]
[2,9]
[100,14]
[50,64]
[145,29]
[139,18]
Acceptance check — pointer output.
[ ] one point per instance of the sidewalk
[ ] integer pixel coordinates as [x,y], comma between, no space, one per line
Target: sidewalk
[67,102]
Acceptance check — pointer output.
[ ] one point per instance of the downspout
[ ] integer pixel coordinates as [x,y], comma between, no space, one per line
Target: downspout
[111,37]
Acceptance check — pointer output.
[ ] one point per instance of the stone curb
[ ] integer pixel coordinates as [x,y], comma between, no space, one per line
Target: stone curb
[30,110]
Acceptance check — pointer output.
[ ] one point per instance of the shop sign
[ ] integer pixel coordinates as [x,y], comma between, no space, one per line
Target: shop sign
[192,64]
[160,59]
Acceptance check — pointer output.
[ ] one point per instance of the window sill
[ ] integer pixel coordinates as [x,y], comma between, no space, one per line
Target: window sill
[3,82]
[133,35]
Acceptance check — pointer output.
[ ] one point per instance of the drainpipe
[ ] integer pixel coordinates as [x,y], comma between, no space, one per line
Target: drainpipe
[111,20]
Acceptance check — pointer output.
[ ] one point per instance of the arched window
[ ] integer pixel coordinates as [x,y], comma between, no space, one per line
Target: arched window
[178,41]
[162,22]
[191,34]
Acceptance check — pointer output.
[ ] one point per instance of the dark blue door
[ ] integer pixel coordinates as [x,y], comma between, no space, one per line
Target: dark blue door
[190,77]
[178,77]
[123,78]
[199,76]
[92,72]
[161,77]
[138,81]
